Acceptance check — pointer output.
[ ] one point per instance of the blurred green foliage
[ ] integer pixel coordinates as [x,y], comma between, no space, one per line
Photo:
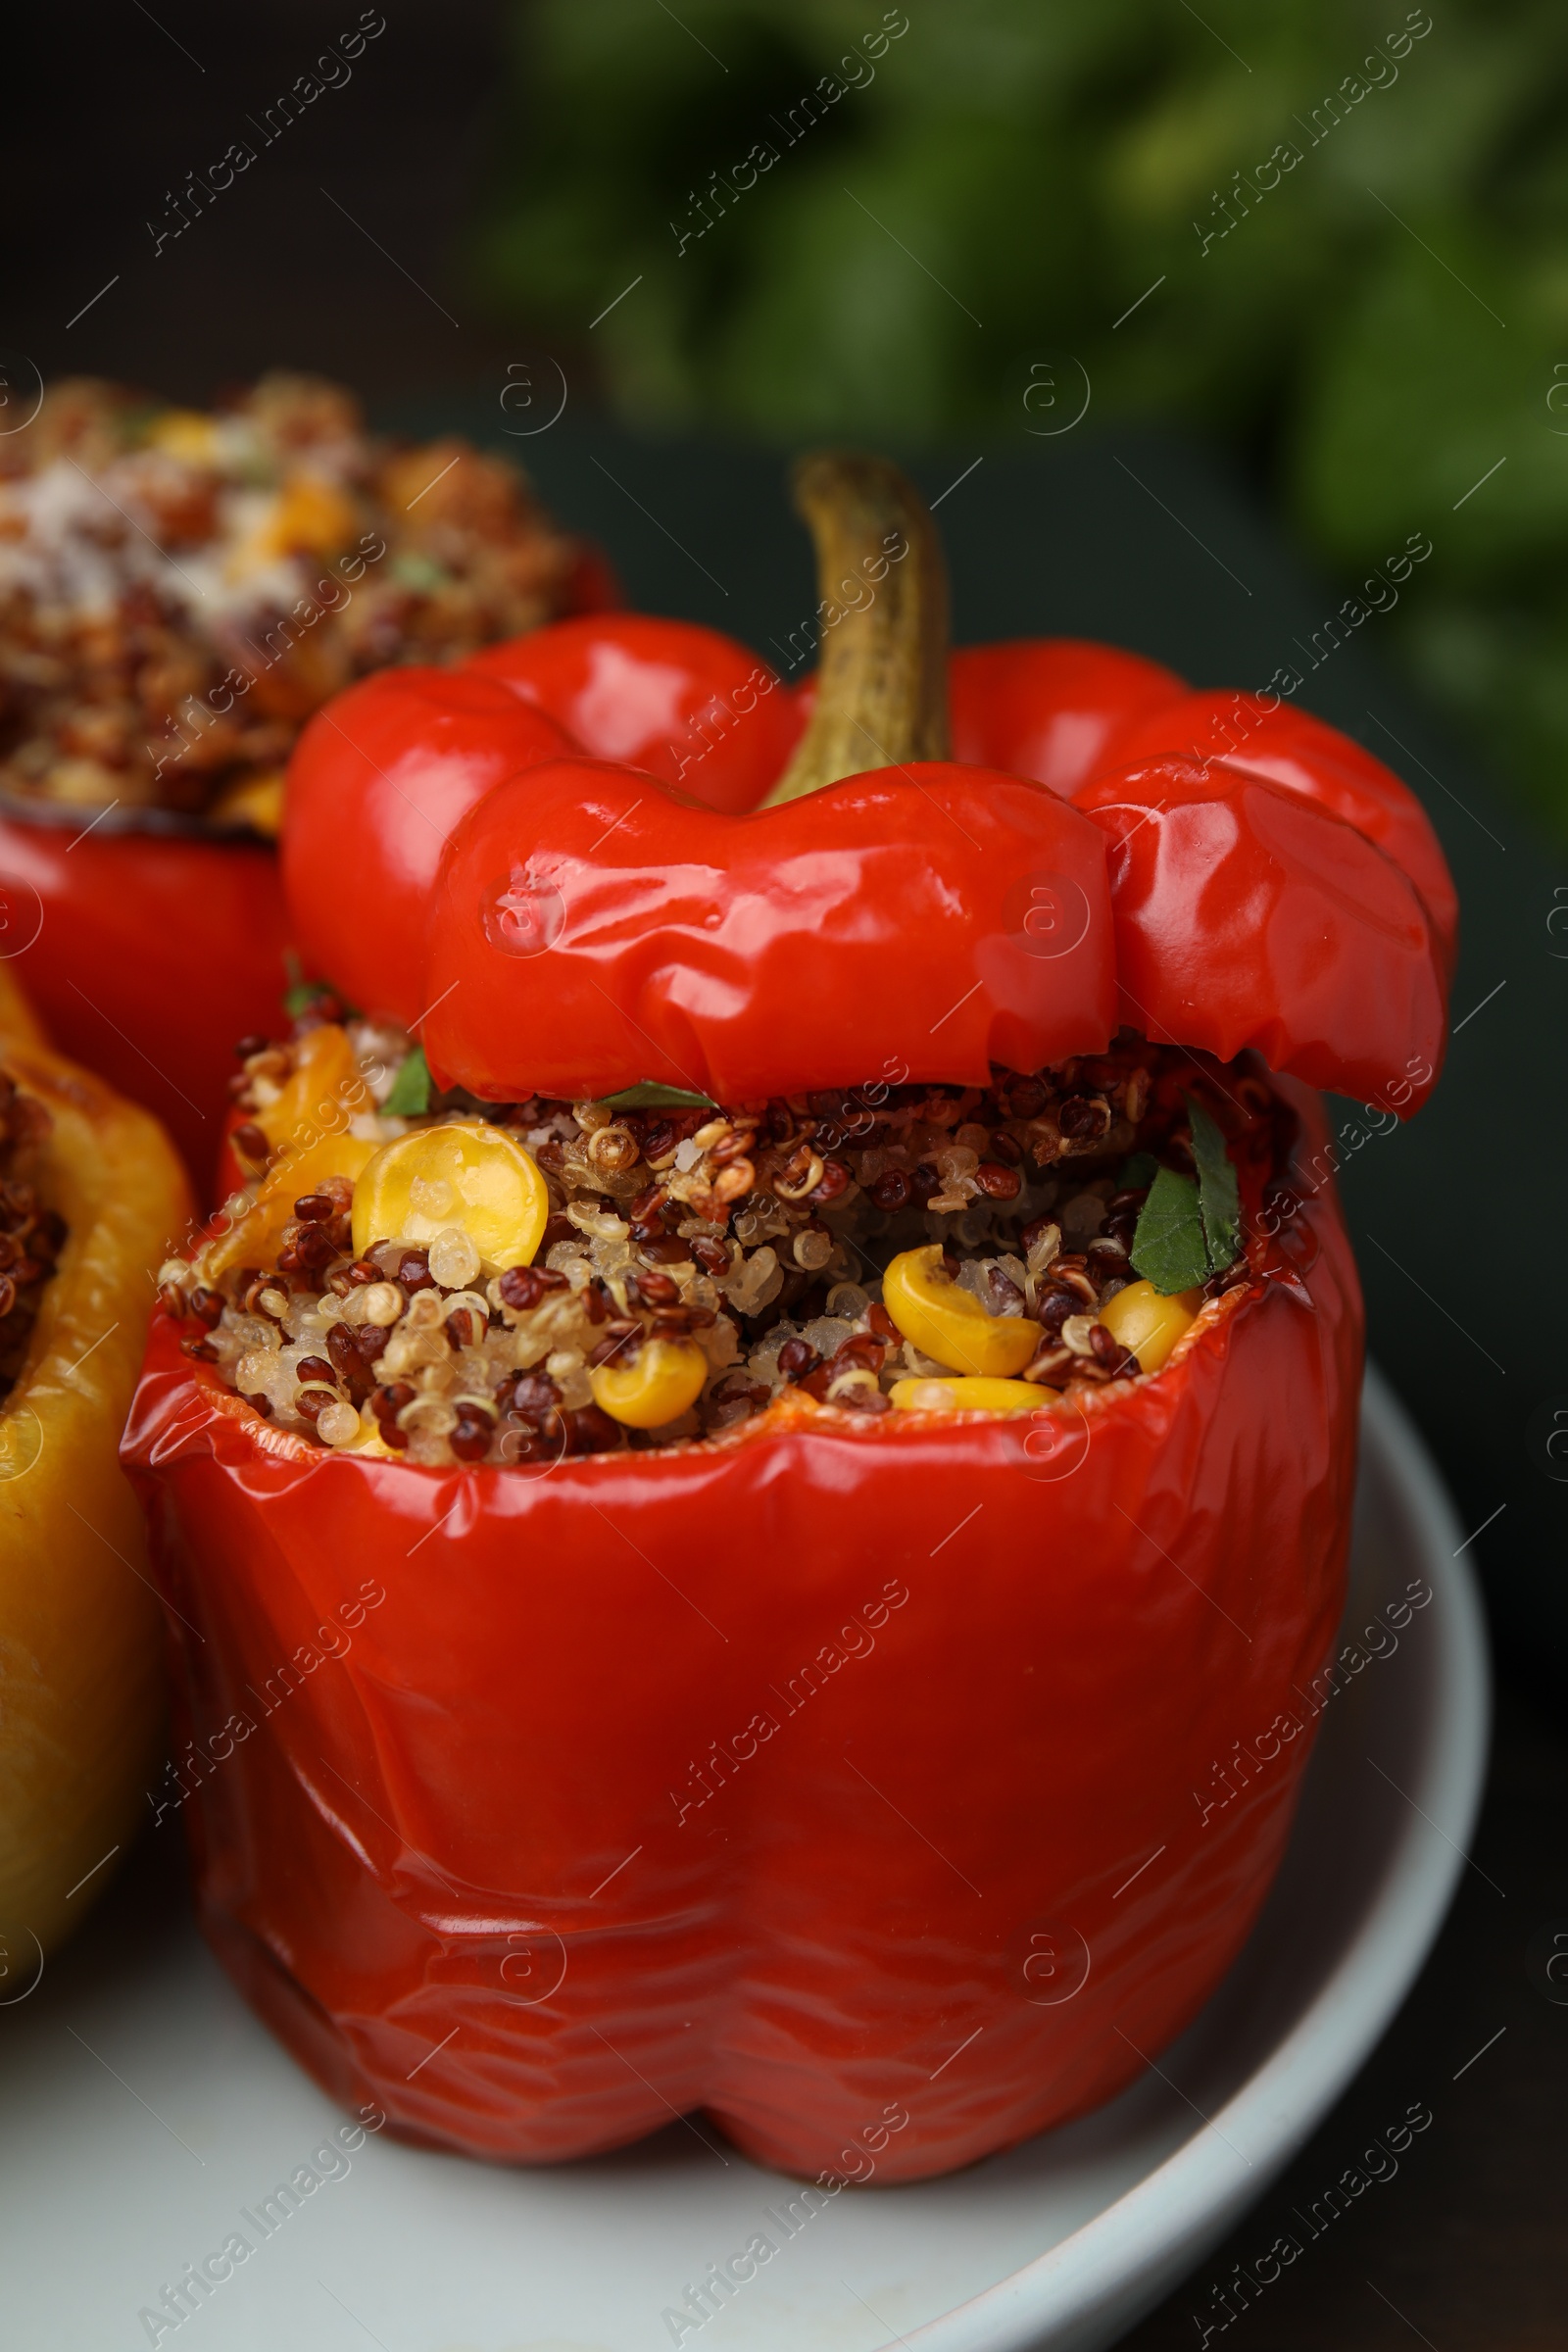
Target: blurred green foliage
[1358,214]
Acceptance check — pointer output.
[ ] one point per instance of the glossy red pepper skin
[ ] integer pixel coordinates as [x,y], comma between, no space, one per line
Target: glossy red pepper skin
[592,930]
[377,782]
[148,957]
[1056,709]
[532,1872]
[1247,916]
[1293,749]
[1068,713]
[688,704]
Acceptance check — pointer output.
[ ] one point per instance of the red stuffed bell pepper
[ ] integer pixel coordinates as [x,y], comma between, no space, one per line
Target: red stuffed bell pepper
[737,1546]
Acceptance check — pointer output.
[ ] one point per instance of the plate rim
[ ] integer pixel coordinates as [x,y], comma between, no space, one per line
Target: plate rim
[1117,2265]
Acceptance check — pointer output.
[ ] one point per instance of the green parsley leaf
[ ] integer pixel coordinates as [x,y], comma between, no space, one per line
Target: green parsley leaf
[1138,1174]
[417,571]
[301,994]
[1168,1247]
[410,1088]
[649,1095]
[1219,1196]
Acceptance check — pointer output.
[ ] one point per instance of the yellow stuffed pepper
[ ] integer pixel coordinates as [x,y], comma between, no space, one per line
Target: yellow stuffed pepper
[91,1196]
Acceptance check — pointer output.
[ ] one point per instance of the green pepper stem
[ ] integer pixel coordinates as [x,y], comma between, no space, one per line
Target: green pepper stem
[882,678]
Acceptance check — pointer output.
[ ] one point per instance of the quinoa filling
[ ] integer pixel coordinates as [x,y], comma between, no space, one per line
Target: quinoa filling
[31,1236]
[873,1250]
[179,590]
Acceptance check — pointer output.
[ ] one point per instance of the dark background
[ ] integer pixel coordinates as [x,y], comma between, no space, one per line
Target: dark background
[1150,536]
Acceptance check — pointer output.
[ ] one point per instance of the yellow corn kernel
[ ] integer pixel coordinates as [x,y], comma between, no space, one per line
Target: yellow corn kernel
[970,1396]
[324,1091]
[186,434]
[258,801]
[309,516]
[255,1239]
[1144,1320]
[312,516]
[372,1447]
[666,1378]
[465,1174]
[950,1324]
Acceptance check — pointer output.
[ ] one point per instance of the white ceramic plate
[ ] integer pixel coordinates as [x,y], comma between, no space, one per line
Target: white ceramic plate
[142,2107]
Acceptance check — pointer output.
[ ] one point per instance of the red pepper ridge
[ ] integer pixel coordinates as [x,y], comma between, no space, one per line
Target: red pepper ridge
[590,931]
